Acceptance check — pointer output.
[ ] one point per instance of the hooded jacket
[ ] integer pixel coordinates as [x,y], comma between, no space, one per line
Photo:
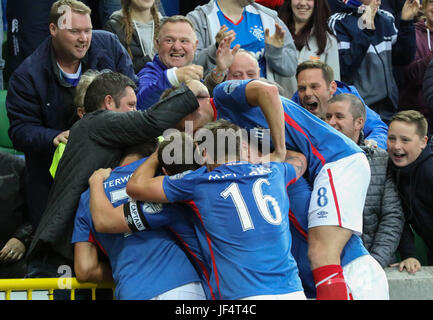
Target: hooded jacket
[428,94]
[367,56]
[415,186]
[280,62]
[411,92]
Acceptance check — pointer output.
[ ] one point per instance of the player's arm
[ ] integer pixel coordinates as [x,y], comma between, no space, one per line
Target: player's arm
[106,218]
[143,185]
[298,161]
[87,266]
[266,96]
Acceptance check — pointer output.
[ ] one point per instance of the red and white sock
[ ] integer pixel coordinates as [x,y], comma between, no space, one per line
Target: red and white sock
[330,283]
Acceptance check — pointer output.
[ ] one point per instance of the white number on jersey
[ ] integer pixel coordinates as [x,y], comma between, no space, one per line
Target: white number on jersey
[262,202]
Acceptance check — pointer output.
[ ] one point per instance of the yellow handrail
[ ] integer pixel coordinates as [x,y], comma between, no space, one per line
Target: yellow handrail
[50,284]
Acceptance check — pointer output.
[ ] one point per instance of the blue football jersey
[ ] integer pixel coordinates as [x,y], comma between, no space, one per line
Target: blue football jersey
[305,132]
[299,194]
[180,220]
[144,264]
[243,210]
[249,34]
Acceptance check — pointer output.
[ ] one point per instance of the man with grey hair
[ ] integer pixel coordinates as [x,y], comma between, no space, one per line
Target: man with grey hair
[176,45]
[383,216]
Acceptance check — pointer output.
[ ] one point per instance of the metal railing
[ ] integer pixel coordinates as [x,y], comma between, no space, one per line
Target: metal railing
[50,284]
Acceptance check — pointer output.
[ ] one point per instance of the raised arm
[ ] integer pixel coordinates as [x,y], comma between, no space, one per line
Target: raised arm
[298,161]
[106,218]
[266,96]
[143,185]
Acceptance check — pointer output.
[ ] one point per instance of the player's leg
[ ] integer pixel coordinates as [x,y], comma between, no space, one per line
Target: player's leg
[325,244]
[366,279]
[336,209]
[297,295]
[189,291]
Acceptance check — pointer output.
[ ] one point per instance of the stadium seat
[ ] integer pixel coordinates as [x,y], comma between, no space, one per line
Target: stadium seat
[5,141]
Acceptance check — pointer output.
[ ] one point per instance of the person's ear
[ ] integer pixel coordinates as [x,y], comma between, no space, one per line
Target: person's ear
[359,123]
[53,29]
[109,103]
[164,171]
[424,142]
[333,87]
[80,112]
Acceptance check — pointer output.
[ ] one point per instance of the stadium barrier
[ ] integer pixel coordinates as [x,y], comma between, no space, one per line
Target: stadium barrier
[29,285]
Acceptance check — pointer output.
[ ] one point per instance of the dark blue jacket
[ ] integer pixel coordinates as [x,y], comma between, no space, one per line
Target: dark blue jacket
[39,106]
[152,82]
[374,128]
[428,95]
[367,56]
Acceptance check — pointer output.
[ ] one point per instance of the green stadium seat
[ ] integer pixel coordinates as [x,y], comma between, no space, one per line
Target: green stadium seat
[5,142]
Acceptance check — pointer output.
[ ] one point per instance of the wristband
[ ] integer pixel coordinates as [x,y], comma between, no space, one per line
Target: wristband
[134,217]
[220,75]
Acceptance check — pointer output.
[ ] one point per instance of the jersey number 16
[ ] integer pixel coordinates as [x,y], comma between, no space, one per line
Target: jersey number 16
[261,200]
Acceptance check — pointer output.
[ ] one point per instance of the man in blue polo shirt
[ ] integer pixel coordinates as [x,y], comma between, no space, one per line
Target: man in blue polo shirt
[176,44]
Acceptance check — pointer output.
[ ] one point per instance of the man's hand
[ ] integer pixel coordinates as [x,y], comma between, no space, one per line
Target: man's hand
[369,14]
[61,137]
[12,251]
[225,55]
[99,176]
[277,39]
[410,10]
[412,265]
[198,88]
[223,33]
[371,143]
[190,72]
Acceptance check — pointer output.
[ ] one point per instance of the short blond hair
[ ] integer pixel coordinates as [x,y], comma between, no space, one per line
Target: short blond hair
[413,117]
[76,6]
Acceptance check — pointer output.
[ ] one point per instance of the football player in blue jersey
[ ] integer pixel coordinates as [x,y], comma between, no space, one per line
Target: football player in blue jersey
[144,266]
[243,210]
[335,210]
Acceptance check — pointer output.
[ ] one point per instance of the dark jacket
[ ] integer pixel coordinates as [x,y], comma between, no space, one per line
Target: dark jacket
[367,56]
[96,141]
[116,26]
[428,94]
[415,186]
[13,213]
[411,93]
[383,217]
[39,106]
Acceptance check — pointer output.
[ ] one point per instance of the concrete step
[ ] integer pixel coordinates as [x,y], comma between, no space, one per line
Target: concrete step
[405,286]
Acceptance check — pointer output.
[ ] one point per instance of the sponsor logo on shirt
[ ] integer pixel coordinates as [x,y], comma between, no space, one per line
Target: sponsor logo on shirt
[257,32]
[231,86]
